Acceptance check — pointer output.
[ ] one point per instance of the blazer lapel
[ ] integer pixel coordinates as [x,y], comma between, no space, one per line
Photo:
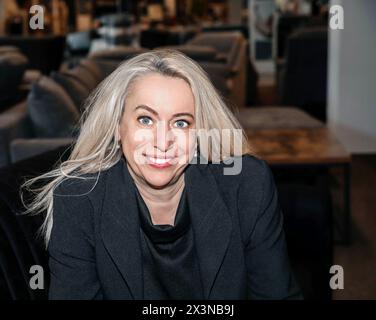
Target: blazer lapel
[211,222]
[120,227]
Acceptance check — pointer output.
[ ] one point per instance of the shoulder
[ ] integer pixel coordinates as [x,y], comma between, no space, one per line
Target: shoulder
[84,184]
[80,185]
[247,184]
[246,170]
[71,203]
[80,193]
[76,198]
[249,191]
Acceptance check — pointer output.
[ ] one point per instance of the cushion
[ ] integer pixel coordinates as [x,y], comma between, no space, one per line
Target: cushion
[93,68]
[51,110]
[75,89]
[12,69]
[84,76]
[106,67]
[26,148]
[226,43]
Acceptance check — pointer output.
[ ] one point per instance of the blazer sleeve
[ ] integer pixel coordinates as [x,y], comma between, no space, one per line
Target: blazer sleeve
[71,250]
[268,269]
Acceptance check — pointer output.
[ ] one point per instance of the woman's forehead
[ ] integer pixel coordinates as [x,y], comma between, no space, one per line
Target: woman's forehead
[158,81]
[162,93]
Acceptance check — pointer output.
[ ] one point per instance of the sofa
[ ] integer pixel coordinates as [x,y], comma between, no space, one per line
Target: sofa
[223,55]
[230,62]
[49,116]
[13,65]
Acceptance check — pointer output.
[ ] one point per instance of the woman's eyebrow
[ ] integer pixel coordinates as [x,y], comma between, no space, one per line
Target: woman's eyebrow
[180,114]
[142,106]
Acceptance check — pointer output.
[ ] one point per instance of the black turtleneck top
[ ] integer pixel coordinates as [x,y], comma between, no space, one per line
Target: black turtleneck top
[170,263]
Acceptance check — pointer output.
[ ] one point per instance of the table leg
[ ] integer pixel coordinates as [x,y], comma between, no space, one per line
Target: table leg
[347,203]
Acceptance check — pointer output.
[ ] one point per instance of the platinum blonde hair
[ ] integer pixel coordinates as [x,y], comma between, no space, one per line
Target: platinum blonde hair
[95,148]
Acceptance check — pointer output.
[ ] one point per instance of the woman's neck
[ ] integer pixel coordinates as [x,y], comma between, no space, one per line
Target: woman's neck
[162,203]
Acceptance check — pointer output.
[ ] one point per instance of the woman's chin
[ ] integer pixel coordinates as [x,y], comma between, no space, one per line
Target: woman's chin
[158,183]
[158,178]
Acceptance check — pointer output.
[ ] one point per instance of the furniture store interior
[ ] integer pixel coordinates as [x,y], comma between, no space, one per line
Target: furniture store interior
[298,75]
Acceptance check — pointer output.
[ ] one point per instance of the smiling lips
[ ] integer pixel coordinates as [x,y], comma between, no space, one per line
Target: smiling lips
[159,163]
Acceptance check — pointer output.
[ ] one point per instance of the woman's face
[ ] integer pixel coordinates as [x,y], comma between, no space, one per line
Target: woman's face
[155,128]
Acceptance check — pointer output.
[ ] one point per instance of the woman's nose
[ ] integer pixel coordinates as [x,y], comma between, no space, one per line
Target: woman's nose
[163,138]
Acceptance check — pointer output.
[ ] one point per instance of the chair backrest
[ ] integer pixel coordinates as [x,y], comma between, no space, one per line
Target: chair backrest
[305,78]
[226,43]
[12,68]
[286,25]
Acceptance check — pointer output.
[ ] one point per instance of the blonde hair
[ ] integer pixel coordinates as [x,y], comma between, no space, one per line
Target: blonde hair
[96,146]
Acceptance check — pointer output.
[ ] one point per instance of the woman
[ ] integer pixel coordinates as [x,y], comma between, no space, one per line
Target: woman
[136,213]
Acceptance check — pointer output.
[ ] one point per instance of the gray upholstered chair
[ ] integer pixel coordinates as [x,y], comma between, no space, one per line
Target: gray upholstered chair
[12,68]
[229,63]
[48,118]
[303,78]
[21,149]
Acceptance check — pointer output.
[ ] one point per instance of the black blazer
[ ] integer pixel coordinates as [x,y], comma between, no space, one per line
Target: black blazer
[237,222]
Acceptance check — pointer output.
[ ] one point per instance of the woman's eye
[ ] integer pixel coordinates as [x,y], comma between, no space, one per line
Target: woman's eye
[145,121]
[181,124]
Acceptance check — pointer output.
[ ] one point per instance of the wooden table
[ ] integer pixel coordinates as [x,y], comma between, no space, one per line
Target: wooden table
[297,146]
[305,142]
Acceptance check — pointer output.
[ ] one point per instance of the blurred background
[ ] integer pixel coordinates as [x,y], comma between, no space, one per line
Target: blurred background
[300,75]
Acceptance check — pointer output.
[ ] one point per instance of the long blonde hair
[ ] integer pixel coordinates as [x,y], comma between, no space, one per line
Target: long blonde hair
[95,148]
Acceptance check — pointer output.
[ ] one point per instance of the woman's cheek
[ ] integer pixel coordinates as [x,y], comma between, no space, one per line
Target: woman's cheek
[141,144]
[185,145]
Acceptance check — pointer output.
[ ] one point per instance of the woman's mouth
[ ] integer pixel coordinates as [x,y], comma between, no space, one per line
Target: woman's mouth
[159,163]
